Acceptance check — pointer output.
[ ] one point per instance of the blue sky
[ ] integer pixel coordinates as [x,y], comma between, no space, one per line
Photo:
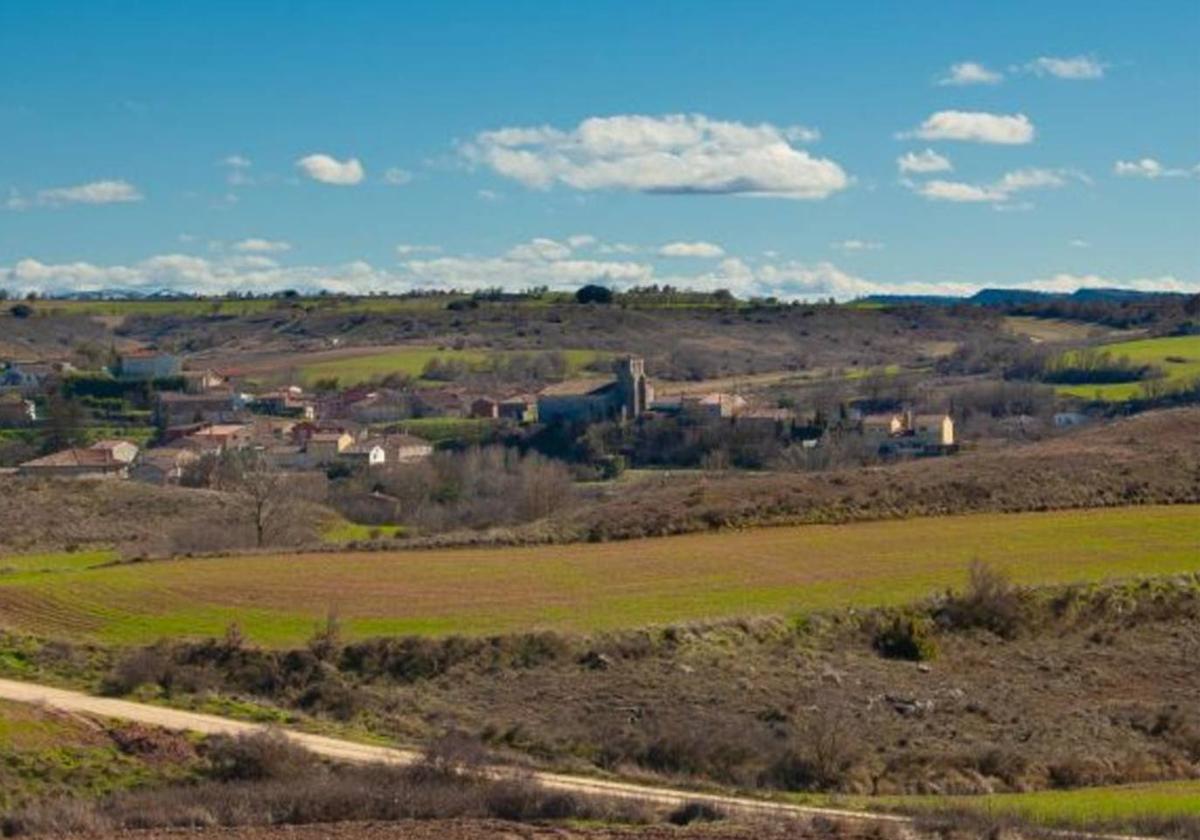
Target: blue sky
[384,146]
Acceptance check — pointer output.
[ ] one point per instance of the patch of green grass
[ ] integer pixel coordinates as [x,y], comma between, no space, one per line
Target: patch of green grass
[439,429]
[1117,807]
[411,361]
[343,531]
[279,599]
[60,561]
[1178,356]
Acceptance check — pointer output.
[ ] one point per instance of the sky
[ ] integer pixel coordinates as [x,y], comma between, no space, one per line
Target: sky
[801,150]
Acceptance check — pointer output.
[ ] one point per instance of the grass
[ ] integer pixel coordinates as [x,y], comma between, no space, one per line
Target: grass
[1116,807]
[1053,330]
[438,429]
[411,361]
[279,599]
[1178,356]
[343,531]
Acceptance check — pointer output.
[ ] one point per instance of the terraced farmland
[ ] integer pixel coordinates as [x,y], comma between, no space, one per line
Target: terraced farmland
[278,599]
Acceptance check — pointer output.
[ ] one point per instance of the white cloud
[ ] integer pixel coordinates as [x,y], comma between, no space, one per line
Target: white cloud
[1079,243]
[540,248]
[397,177]
[95,192]
[998,192]
[329,170]
[857,245]
[976,127]
[1151,169]
[678,153]
[581,240]
[488,195]
[1076,68]
[970,73]
[237,170]
[262,246]
[701,250]
[923,162]
[516,269]
[408,249]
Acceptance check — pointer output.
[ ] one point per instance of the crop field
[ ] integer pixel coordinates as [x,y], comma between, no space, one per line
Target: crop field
[1178,356]
[278,599]
[1116,807]
[411,361]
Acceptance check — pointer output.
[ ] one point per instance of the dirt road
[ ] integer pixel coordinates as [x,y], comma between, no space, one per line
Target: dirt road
[348,751]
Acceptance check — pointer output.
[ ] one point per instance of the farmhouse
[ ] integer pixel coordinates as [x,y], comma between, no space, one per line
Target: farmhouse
[150,364]
[908,432]
[164,465]
[120,450]
[325,447]
[369,453]
[76,463]
[405,449]
[219,437]
[176,409]
[627,397]
[32,377]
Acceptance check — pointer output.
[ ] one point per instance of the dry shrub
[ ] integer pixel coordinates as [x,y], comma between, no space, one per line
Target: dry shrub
[991,602]
[822,755]
[257,756]
[691,812]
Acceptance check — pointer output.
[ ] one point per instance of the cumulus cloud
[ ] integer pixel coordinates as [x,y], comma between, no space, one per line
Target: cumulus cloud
[237,170]
[1075,68]
[516,269]
[408,249]
[1079,243]
[94,192]
[330,170]
[1151,169]
[857,245]
[677,153]
[702,250]
[923,162]
[970,73]
[397,177]
[540,248]
[581,240]
[975,127]
[999,191]
[262,246]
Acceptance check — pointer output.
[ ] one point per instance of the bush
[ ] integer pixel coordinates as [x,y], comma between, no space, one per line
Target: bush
[258,756]
[691,812]
[908,638]
[592,293]
[991,602]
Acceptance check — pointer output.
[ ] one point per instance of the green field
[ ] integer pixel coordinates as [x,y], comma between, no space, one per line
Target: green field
[411,361]
[1178,356]
[277,599]
[1115,808]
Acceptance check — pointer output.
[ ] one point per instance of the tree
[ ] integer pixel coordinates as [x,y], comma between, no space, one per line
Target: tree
[21,310]
[593,293]
[267,498]
[64,423]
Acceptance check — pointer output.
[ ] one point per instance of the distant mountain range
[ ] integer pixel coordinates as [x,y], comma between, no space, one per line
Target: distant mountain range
[1005,297]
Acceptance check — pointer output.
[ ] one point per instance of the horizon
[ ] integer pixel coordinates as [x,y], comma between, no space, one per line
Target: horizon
[772,151]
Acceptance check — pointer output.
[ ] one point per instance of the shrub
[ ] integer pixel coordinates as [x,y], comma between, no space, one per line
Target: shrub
[991,602]
[908,638]
[258,756]
[593,293]
[691,812]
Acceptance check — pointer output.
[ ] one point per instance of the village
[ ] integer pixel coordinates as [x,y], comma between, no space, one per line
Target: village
[205,412]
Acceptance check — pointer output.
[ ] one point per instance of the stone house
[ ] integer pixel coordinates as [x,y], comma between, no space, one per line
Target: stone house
[150,364]
[164,465]
[406,449]
[76,464]
[325,447]
[121,450]
[179,409]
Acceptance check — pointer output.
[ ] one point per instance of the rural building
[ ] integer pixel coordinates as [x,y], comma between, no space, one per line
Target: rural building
[76,463]
[368,453]
[325,447]
[150,364]
[121,450]
[932,429]
[519,409]
[908,432]
[164,465]
[33,377]
[626,397]
[438,402]
[486,408]
[882,426]
[203,381]
[713,405]
[179,409]
[386,405]
[15,410]
[220,437]
[405,449]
